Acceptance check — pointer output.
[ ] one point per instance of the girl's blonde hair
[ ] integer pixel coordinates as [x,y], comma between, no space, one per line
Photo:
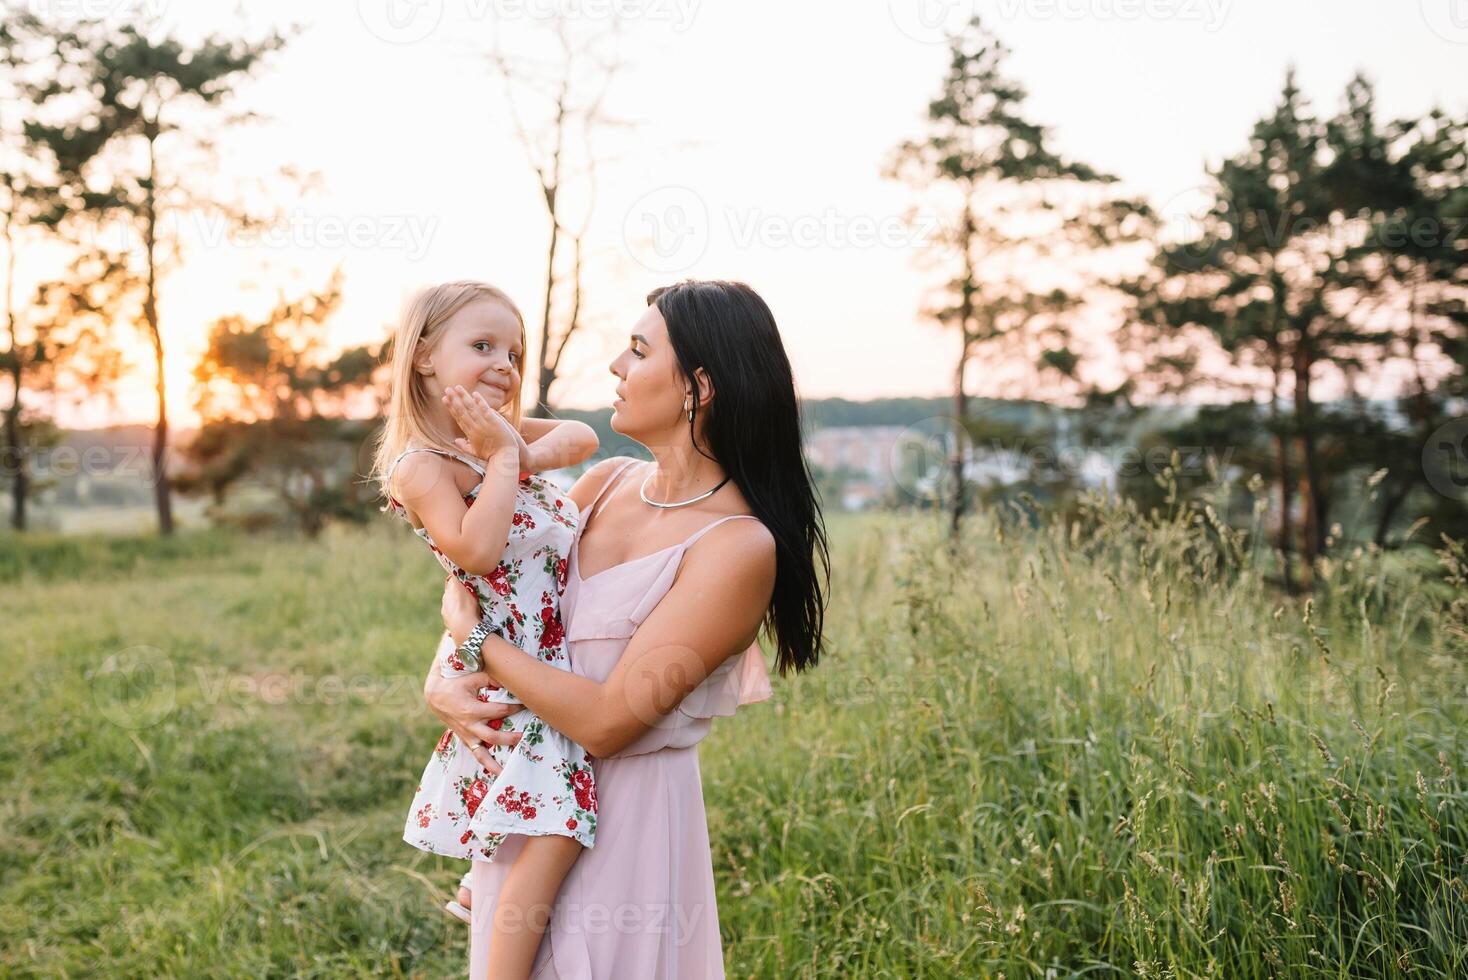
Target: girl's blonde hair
[408,420]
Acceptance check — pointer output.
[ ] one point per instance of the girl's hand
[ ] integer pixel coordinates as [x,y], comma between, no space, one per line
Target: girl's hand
[460,609]
[526,463]
[486,432]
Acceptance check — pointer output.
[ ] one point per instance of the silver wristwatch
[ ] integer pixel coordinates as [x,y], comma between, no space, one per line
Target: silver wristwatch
[469,650]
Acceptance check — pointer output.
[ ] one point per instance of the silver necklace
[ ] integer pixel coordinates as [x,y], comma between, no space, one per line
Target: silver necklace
[642,492]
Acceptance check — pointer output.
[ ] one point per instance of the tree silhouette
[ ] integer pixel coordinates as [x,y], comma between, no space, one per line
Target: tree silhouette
[1018,202]
[276,407]
[57,336]
[1280,277]
[557,112]
[128,118]
[1409,179]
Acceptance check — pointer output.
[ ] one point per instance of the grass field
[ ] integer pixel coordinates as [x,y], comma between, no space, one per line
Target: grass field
[1104,750]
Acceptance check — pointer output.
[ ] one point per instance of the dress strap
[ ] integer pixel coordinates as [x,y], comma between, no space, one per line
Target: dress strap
[468,461]
[713,524]
[591,508]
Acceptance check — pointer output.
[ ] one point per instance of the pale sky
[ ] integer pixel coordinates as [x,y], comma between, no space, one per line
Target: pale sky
[762,127]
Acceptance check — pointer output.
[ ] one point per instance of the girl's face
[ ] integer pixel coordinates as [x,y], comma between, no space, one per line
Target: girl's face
[479,348]
[651,389]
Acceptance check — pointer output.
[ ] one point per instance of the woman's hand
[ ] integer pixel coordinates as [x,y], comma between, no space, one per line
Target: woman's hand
[486,432]
[456,702]
[456,699]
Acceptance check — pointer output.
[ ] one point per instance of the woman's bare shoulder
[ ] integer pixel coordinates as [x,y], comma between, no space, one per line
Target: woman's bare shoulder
[747,544]
[736,560]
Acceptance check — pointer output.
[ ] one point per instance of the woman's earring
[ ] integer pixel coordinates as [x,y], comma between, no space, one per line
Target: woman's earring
[689,406]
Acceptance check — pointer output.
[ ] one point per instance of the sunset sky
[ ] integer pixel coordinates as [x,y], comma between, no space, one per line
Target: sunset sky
[761,127]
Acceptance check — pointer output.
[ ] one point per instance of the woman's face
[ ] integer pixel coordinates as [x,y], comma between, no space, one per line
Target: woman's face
[651,389]
[479,348]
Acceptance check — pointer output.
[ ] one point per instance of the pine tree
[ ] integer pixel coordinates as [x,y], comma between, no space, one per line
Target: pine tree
[1017,203]
[136,110]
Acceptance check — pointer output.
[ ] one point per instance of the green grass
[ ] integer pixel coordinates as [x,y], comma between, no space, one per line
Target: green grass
[1107,749]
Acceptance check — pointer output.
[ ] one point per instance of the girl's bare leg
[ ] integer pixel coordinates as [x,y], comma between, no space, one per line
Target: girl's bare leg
[523,908]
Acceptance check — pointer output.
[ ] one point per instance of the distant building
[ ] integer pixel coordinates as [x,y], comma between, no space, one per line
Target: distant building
[859,495]
[864,449]
[869,460]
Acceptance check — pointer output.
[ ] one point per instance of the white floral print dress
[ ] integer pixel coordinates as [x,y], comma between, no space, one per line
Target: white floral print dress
[546,785]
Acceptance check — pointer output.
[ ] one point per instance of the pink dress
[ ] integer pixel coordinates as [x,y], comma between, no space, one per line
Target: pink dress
[640,904]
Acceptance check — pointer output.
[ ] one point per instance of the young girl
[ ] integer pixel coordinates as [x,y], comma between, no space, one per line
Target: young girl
[505,533]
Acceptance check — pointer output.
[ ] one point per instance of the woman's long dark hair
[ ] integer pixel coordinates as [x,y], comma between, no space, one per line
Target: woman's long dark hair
[753,431]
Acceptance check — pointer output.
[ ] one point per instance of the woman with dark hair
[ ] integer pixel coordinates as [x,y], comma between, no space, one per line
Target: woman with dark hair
[678,565]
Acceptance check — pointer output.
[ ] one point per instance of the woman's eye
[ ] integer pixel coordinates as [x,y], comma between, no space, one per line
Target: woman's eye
[638,354]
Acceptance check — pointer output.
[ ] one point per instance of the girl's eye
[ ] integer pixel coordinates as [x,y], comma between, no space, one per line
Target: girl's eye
[481,345]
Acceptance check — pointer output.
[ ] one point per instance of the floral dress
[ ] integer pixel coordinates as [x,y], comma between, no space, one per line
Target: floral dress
[546,784]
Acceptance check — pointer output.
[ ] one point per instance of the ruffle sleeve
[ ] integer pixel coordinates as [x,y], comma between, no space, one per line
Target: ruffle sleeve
[742,679]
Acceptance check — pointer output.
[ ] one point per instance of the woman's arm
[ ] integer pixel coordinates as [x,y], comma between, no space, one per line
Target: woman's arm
[712,611]
[557,443]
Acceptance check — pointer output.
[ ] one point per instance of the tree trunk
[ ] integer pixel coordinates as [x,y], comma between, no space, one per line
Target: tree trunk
[542,409]
[960,412]
[960,396]
[1310,530]
[544,376]
[1416,403]
[15,454]
[162,494]
[1322,490]
[550,186]
[1282,453]
[14,451]
[1389,508]
[550,366]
